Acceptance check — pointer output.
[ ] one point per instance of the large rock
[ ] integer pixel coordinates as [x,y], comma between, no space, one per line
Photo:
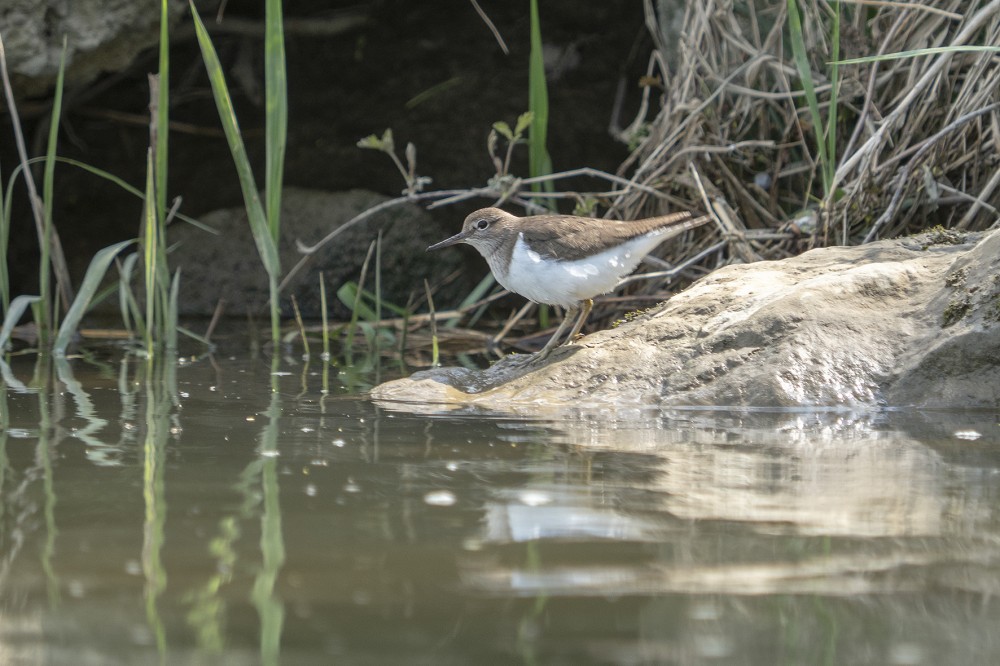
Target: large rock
[907,322]
[101,36]
[227,265]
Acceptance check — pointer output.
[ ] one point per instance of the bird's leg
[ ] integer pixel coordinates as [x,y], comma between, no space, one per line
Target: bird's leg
[585,308]
[554,340]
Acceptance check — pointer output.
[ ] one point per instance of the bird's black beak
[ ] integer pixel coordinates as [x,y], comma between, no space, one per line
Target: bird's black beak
[457,238]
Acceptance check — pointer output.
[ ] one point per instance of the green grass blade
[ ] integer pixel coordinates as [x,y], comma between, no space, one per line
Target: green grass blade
[477,294]
[435,347]
[805,74]
[348,293]
[323,316]
[831,120]
[352,297]
[91,282]
[194,336]
[4,242]
[539,162]
[13,315]
[150,243]
[48,182]
[171,317]
[276,108]
[126,299]
[915,53]
[378,288]
[128,188]
[163,112]
[220,91]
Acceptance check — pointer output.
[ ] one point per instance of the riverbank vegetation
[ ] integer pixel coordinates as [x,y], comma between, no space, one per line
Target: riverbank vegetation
[794,123]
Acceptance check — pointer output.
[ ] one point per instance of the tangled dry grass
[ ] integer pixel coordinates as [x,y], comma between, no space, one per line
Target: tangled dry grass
[916,139]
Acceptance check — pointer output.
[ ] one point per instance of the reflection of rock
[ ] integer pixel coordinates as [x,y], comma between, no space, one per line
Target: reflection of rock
[228,266]
[860,483]
[914,321]
[859,505]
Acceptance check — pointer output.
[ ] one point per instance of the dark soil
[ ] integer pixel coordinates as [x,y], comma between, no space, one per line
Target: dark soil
[341,87]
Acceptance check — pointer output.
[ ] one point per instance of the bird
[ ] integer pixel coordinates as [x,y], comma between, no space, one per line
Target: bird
[564,260]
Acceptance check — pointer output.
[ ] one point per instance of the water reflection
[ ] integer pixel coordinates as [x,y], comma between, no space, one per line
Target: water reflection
[233,510]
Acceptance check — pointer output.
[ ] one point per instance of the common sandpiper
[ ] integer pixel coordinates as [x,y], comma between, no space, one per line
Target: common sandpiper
[564,260]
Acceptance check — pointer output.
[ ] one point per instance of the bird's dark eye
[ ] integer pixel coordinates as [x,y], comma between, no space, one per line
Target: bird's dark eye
[482,224]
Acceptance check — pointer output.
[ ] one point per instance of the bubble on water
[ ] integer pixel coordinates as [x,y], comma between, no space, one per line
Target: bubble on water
[351,487]
[452,467]
[133,568]
[968,434]
[75,589]
[440,498]
[270,453]
[339,443]
[311,490]
[307,429]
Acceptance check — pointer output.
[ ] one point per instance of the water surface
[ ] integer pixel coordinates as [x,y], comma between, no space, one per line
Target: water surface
[189,514]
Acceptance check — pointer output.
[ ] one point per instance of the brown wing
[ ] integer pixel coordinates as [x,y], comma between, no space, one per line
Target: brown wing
[569,237]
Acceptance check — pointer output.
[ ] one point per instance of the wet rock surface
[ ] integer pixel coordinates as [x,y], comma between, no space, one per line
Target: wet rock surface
[912,322]
[101,36]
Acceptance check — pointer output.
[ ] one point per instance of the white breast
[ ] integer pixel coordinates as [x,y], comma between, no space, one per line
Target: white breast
[566,283]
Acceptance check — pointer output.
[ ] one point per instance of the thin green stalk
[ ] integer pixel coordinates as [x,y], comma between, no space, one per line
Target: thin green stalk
[12,315]
[539,162]
[162,123]
[134,191]
[915,53]
[266,245]
[805,74]
[49,306]
[302,327]
[131,314]
[4,242]
[323,316]
[172,326]
[378,290]
[831,119]
[435,350]
[326,334]
[275,133]
[41,308]
[276,116]
[150,243]
[166,292]
[88,288]
[356,309]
